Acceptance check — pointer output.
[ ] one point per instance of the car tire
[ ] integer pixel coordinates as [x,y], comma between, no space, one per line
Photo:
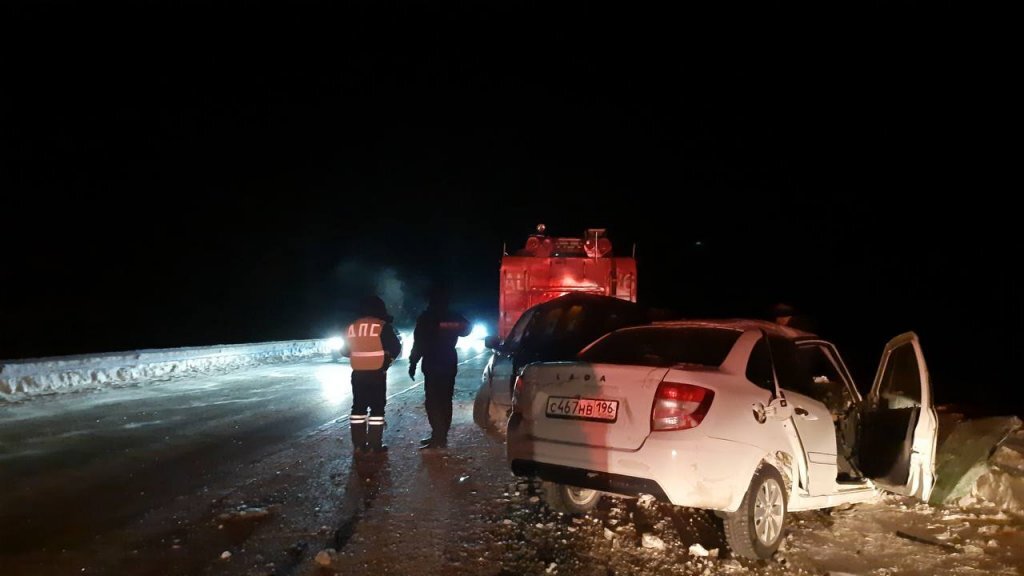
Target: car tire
[490,417]
[569,499]
[755,530]
[482,406]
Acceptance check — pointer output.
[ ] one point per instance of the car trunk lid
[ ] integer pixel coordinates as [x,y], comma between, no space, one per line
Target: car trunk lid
[601,405]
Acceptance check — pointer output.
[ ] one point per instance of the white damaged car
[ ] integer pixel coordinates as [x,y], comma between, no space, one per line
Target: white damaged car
[743,417]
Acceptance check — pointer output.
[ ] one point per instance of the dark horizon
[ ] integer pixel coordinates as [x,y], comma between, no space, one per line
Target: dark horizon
[194,180]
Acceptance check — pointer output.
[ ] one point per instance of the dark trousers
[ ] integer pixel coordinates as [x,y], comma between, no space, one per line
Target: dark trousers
[439,387]
[369,392]
[369,395]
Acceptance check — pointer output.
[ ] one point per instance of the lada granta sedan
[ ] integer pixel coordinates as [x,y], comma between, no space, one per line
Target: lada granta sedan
[743,417]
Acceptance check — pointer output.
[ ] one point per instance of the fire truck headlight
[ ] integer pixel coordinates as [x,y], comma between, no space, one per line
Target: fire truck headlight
[335,343]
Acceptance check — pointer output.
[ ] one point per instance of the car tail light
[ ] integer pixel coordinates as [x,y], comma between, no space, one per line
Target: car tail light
[679,406]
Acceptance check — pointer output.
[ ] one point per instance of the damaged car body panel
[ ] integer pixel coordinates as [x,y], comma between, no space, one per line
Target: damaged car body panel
[742,417]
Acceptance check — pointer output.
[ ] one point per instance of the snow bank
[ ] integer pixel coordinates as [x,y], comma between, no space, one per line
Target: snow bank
[964,454]
[982,460]
[20,379]
[1002,483]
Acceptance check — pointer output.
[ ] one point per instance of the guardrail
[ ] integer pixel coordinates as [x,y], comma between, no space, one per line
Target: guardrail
[20,379]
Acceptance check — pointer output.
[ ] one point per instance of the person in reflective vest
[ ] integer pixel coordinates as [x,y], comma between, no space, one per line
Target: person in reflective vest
[372,344]
[437,331]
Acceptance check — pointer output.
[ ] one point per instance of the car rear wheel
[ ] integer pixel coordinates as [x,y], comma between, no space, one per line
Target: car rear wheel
[490,417]
[569,499]
[481,407]
[755,530]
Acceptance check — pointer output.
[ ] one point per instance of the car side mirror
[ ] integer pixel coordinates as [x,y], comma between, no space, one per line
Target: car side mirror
[492,342]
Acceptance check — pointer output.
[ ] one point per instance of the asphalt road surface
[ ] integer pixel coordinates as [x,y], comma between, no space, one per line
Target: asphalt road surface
[96,480]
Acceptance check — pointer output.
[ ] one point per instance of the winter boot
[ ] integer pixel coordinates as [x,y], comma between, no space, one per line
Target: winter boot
[375,434]
[357,423]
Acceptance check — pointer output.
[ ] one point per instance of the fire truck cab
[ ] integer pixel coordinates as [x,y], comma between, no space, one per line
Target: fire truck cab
[548,267]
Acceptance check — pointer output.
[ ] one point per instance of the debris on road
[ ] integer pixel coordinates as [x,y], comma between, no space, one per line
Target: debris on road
[698,550]
[326,557]
[926,539]
[244,514]
[652,541]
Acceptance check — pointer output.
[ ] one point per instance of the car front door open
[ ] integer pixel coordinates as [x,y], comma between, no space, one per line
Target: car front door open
[896,441]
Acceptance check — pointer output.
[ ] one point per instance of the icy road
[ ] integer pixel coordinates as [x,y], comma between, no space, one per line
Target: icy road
[251,472]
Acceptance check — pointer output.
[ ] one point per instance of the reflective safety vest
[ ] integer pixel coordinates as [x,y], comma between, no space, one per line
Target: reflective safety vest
[365,348]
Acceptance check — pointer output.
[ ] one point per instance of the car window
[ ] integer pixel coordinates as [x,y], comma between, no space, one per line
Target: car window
[827,384]
[546,326]
[558,330]
[511,343]
[759,366]
[900,386]
[573,318]
[539,333]
[788,368]
[663,347]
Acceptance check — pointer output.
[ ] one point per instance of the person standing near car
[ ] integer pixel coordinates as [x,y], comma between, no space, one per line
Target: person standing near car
[785,314]
[437,331]
[372,345]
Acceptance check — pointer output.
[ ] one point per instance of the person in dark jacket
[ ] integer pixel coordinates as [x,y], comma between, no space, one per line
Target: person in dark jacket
[786,315]
[437,331]
[372,344]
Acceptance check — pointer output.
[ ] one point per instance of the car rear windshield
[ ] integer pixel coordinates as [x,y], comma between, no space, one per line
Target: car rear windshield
[663,347]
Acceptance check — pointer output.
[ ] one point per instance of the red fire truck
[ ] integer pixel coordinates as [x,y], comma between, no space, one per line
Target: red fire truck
[549,267]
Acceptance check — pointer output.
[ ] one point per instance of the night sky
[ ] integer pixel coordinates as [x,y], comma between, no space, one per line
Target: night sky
[179,174]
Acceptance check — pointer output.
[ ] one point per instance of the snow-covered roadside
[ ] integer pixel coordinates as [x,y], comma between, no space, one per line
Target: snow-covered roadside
[22,379]
[981,461]
[1002,482]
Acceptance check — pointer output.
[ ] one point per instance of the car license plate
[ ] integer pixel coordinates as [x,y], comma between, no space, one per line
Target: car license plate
[594,409]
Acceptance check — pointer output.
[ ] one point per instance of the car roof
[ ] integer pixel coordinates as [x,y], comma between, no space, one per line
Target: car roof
[742,324]
[592,302]
[577,297]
